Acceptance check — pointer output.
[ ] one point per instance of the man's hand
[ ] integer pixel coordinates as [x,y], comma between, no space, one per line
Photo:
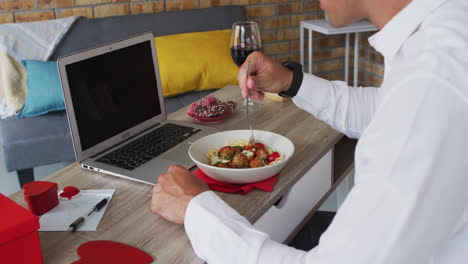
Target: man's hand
[267,76]
[173,192]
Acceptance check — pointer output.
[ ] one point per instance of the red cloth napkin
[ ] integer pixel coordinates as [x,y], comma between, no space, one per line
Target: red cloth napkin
[266,185]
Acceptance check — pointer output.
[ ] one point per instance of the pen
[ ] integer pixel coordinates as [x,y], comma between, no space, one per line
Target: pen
[81,219]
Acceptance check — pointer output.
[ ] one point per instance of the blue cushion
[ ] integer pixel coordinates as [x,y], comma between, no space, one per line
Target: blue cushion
[44,92]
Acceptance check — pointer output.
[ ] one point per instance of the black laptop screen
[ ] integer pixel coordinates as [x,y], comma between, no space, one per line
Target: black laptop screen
[113,92]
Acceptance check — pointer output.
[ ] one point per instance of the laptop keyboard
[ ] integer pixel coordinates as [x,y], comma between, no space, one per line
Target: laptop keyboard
[148,146]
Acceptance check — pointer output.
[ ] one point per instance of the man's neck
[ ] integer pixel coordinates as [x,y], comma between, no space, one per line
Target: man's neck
[381,12]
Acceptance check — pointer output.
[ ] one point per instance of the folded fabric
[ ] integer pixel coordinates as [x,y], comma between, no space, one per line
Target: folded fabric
[34,40]
[195,61]
[44,89]
[12,85]
[25,41]
[266,185]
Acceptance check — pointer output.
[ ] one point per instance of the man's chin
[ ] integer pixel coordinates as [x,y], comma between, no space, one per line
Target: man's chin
[337,23]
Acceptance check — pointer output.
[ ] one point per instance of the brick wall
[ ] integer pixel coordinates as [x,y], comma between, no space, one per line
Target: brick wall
[371,64]
[278,20]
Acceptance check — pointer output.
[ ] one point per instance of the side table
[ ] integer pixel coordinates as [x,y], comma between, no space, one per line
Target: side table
[322,26]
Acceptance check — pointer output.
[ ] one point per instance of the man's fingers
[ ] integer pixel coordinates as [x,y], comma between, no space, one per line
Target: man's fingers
[242,79]
[257,95]
[255,58]
[254,94]
[157,189]
[155,206]
[251,83]
[245,82]
[175,169]
[247,86]
[173,191]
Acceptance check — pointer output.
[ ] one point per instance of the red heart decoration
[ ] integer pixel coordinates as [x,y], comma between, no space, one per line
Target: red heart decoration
[102,252]
[69,192]
[41,196]
[37,187]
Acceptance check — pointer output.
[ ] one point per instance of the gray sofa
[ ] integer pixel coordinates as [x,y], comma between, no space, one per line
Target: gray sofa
[31,142]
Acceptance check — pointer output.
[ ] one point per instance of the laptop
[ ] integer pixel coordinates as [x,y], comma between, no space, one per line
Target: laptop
[115,108]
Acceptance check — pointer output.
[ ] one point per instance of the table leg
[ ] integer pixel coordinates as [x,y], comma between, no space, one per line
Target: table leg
[25,176]
[346,66]
[342,190]
[302,44]
[356,58]
[310,51]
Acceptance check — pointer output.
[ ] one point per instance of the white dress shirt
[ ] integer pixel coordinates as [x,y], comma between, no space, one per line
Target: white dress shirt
[409,202]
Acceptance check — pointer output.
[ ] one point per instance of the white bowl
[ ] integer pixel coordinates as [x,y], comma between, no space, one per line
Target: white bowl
[199,149]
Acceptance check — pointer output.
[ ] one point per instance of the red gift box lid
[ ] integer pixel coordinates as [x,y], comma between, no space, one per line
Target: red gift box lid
[16,221]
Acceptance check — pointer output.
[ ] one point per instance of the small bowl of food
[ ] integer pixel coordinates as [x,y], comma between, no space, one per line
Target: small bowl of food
[211,109]
[226,156]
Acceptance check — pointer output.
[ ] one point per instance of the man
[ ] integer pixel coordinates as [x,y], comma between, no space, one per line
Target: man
[410,200]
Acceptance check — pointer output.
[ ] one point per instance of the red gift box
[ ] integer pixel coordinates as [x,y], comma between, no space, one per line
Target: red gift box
[41,196]
[19,239]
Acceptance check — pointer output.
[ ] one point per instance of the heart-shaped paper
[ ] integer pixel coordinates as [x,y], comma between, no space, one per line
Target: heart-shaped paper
[37,187]
[103,252]
[69,192]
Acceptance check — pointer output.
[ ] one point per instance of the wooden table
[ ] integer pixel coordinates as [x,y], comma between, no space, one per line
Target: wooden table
[128,218]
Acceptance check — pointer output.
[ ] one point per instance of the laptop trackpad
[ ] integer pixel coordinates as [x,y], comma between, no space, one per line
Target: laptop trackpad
[179,155]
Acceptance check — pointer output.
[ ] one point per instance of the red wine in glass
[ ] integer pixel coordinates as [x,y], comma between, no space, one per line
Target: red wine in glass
[239,54]
[245,39]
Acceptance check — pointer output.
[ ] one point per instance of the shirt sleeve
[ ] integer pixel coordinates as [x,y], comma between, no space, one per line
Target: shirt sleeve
[409,198]
[346,109]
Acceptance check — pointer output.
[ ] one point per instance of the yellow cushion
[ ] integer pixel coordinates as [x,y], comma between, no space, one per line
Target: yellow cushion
[195,61]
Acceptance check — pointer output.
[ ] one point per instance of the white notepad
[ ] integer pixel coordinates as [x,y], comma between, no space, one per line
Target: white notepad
[67,211]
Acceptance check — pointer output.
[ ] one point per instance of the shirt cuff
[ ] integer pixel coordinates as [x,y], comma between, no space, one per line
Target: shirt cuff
[314,94]
[209,201]
[218,233]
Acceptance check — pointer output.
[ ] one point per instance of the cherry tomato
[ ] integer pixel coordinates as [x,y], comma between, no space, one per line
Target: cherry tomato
[273,157]
[259,146]
[225,147]
[248,147]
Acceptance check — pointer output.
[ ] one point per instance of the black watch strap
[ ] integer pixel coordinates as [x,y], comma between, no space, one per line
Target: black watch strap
[296,82]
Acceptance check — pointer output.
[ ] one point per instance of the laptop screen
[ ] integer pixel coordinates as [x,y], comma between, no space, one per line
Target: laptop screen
[113,92]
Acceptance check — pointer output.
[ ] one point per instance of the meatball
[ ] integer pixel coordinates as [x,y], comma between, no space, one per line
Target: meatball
[226,153]
[237,149]
[222,165]
[239,161]
[262,154]
[257,162]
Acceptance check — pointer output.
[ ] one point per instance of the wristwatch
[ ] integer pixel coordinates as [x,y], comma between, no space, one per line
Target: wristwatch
[296,82]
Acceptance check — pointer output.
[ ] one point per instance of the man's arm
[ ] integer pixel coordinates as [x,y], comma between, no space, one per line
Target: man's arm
[346,109]
[410,170]
[220,235]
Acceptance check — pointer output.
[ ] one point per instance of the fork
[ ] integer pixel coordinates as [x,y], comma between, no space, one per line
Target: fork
[251,140]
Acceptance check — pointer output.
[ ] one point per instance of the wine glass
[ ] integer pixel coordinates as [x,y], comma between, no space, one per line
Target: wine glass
[245,39]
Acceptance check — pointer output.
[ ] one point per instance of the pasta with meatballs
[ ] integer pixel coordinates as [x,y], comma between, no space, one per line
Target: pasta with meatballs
[239,154]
